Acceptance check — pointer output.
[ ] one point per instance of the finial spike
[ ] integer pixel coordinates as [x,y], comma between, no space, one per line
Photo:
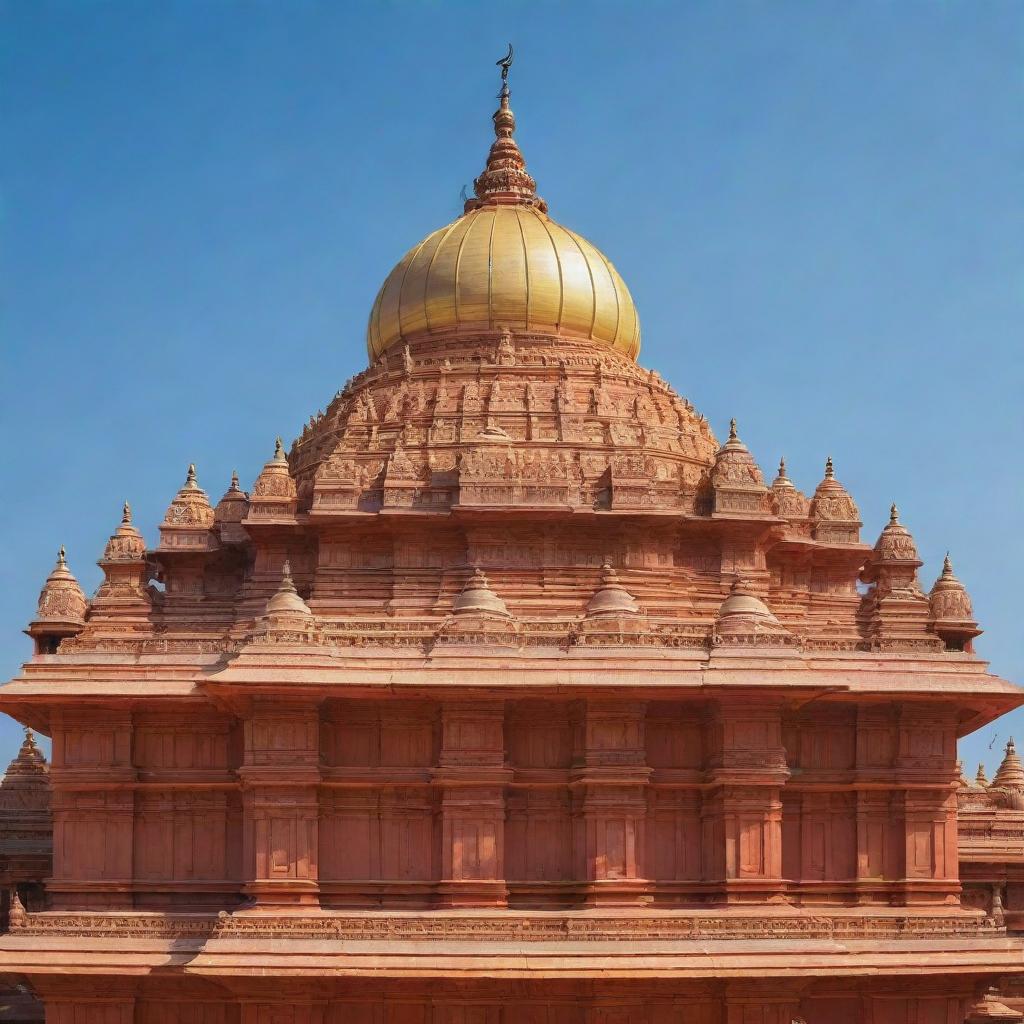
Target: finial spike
[279,450]
[235,486]
[505,179]
[830,472]
[62,560]
[126,514]
[190,477]
[505,63]
[782,466]
[947,566]
[894,514]
[732,429]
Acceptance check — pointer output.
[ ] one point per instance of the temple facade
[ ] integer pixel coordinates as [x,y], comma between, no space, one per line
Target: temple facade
[509,695]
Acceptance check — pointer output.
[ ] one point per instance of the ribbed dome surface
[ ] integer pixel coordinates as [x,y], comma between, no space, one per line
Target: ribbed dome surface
[505,266]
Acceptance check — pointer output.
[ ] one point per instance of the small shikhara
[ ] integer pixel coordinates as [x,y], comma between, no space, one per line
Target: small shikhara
[508,695]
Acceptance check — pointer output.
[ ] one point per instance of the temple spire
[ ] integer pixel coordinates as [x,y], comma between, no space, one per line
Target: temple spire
[505,180]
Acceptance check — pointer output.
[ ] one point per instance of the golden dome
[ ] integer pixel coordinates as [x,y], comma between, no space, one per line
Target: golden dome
[505,264]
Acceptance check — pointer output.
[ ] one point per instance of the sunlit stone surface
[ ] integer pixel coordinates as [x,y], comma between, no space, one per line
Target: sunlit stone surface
[508,695]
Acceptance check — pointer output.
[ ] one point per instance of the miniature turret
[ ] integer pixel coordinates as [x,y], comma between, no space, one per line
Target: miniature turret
[745,620]
[789,503]
[737,480]
[232,508]
[123,597]
[26,821]
[952,616]
[611,599]
[274,497]
[28,771]
[61,609]
[126,543]
[188,520]
[895,609]
[286,617]
[286,601]
[836,517]
[990,1009]
[477,598]
[980,779]
[1008,784]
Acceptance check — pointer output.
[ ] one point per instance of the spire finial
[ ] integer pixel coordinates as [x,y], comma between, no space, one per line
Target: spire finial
[190,477]
[1010,748]
[505,179]
[62,561]
[30,737]
[234,481]
[782,467]
[830,473]
[279,450]
[286,601]
[894,515]
[981,778]
[126,514]
[287,583]
[947,566]
[505,63]
[732,429]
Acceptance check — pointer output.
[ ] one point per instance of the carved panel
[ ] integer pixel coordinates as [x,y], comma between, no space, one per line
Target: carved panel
[181,835]
[538,836]
[92,835]
[674,835]
[171,743]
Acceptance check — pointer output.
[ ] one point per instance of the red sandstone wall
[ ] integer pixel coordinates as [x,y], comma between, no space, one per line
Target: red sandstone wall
[483,802]
[559,1003]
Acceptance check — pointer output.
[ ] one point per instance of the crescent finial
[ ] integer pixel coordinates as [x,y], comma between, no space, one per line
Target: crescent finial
[505,63]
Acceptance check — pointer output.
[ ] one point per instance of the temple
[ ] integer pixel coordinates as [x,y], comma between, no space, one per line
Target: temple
[509,695]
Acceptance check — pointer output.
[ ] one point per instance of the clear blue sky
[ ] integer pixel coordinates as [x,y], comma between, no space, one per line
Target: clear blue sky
[819,208]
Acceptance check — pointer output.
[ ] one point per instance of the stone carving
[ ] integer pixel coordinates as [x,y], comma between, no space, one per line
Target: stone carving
[190,507]
[61,599]
[506,927]
[669,700]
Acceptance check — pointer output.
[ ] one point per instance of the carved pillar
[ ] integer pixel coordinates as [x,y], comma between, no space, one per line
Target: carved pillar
[93,810]
[280,776]
[609,784]
[742,813]
[472,776]
[926,767]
